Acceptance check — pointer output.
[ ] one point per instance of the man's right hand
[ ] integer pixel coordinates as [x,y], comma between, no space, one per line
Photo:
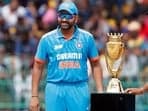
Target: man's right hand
[34,104]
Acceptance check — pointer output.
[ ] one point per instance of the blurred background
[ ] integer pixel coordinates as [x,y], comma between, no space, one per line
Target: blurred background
[23,22]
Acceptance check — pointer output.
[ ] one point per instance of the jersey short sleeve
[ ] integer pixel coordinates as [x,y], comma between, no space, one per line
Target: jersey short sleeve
[92,49]
[41,52]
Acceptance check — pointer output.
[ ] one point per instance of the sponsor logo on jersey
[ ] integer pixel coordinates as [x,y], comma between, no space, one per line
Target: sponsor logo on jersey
[68,56]
[69,64]
[69,60]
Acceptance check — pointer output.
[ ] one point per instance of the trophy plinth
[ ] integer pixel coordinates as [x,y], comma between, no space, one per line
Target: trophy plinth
[114,59]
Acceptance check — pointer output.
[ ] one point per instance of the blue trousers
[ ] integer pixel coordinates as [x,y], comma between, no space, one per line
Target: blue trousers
[67,97]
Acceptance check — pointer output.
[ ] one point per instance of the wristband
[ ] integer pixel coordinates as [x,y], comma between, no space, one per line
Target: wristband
[35,96]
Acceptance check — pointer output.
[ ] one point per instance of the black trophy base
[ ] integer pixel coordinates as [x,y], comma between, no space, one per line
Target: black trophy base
[112,102]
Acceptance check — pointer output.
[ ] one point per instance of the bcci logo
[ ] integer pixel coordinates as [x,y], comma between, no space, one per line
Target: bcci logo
[79,45]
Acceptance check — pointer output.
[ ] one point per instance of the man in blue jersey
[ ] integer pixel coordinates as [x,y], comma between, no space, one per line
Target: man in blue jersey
[66,51]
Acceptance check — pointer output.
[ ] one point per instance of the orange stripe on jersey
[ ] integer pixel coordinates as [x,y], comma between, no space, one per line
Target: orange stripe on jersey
[94,59]
[39,60]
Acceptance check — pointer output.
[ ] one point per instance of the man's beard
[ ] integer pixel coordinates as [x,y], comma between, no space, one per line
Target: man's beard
[66,25]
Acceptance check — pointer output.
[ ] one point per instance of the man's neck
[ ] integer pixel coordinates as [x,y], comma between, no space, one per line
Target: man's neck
[68,33]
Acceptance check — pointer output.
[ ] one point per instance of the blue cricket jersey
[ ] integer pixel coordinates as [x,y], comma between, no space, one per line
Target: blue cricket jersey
[67,59]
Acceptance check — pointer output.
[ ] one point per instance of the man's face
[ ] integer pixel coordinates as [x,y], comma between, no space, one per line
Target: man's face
[66,20]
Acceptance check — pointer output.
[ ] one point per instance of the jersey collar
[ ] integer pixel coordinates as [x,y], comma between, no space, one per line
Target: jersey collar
[60,35]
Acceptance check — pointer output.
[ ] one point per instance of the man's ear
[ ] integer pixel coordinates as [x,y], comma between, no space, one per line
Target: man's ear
[76,18]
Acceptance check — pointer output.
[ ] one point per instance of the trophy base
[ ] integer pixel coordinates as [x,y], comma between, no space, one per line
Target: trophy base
[115,86]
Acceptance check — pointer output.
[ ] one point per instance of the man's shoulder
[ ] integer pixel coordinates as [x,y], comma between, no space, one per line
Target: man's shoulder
[50,34]
[83,31]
